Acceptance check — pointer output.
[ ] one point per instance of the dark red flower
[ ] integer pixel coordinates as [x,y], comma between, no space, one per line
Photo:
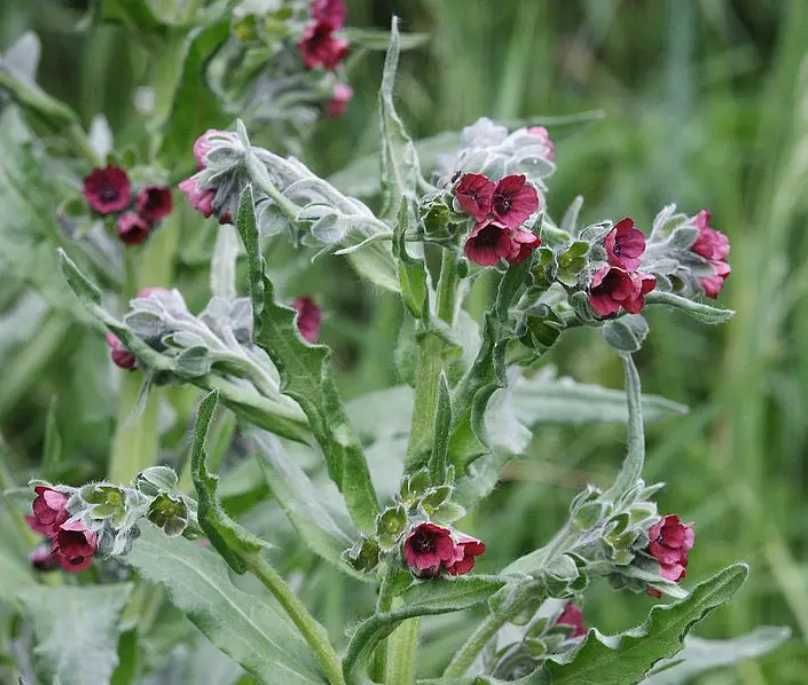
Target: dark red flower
[712,284]
[331,12]
[514,200]
[42,558]
[624,245]
[612,288]
[429,547]
[470,548]
[120,356]
[711,244]
[201,200]
[132,228]
[107,190]
[572,616]
[523,242]
[338,103]
[319,47]
[74,546]
[153,203]
[474,193]
[48,511]
[488,243]
[669,542]
[308,318]
[544,135]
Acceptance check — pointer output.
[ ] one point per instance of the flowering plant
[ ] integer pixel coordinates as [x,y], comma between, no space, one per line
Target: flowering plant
[397,522]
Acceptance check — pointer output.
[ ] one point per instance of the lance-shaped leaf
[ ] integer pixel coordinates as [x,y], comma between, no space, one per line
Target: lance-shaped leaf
[411,271]
[243,625]
[302,502]
[701,655]
[626,658]
[400,170]
[421,598]
[76,630]
[440,434]
[307,378]
[698,310]
[236,544]
[631,469]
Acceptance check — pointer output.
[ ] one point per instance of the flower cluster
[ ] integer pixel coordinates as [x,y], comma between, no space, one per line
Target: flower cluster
[670,541]
[430,549]
[319,46]
[72,544]
[713,246]
[618,284]
[499,210]
[108,191]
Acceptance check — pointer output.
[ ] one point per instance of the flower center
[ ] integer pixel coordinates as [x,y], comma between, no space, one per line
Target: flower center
[502,204]
[108,194]
[422,542]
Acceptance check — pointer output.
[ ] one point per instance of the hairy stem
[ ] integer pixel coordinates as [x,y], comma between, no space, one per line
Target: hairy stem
[312,632]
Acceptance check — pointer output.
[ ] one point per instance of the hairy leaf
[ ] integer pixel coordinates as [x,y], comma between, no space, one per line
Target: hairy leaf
[307,378]
[626,658]
[242,625]
[698,310]
[76,630]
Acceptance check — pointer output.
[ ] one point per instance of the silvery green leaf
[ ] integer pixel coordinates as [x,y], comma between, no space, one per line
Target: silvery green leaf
[701,655]
[193,362]
[145,325]
[156,479]
[682,238]
[698,310]
[631,469]
[595,233]
[22,56]
[627,333]
[76,630]
[627,657]
[569,222]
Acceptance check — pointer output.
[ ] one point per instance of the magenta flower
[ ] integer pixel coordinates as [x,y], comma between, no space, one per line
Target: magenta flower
[133,229]
[523,242]
[42,558]
[612,288]
[714,246]
[331,12]
[153,203]
[669,542]
[488,243]
[429,547]
[201,200]
[474,193]
[514,200]
[711,244]
[308,318]
[572,616]
[107,190]
[338,103]
[120,356]
[624,245]
[470,548]
[202,146]
[48,511]
[319,47]
[74,546]
[544,135]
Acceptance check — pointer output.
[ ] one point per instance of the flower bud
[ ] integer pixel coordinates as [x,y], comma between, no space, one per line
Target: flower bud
[670,540]
[43,559]
[309,317]
[120,356]
[48,511]
[571,615]
[153,203]
[133,229]
[338,104]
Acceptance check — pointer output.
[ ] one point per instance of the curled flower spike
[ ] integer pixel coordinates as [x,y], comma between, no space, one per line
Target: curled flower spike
[474,193]
[74,546]
[201,200]
[133,229]
[338,104]
[612,288]
[107,190]
[309,317]
[120,356]
[714,246]
[319,47]
[625,245]
[670,540]
[544,135]
[514,200]
[153,203]
[48,511]
[572,616]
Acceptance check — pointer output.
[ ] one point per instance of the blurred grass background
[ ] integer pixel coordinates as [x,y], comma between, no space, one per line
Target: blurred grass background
[706,104]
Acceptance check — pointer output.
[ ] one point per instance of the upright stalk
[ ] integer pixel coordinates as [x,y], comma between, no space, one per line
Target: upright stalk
[312,632]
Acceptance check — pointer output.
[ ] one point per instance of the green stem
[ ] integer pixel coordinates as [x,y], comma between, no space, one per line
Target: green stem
[312,632]
[447,287]
[465,657]
[400,653]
